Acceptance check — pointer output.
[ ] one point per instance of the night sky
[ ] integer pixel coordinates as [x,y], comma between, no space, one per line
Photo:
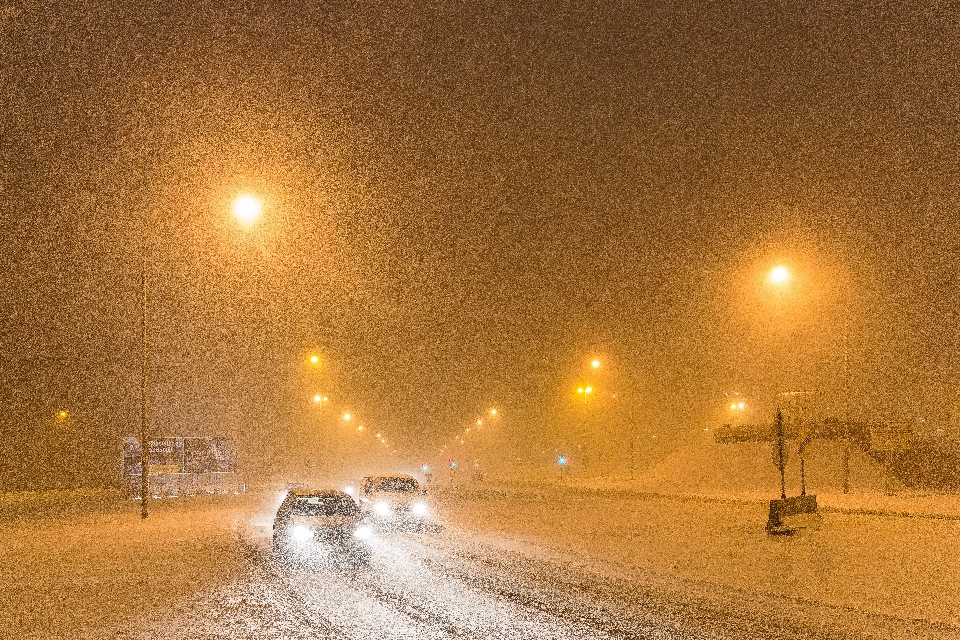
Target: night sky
[464,202]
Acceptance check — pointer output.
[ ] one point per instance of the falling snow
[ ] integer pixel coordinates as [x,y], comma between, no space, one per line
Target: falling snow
[561,264]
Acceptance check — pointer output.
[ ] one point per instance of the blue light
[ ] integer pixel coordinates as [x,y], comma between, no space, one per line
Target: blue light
[425,468]
[562,460]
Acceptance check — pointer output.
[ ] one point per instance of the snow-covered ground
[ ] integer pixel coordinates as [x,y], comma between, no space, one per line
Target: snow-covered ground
[62,575]
[894,566]
[537,560]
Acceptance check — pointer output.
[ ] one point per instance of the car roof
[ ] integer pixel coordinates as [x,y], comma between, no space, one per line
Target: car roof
[390,475]
[300,493]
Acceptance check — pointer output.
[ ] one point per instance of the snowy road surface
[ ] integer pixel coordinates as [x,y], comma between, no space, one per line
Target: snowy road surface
[210,574]
[416,586]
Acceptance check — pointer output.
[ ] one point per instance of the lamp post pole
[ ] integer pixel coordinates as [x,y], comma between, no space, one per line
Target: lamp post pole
[144,438]
[781,462]
[846,397]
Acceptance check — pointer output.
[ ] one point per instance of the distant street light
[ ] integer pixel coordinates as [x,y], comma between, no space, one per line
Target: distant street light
[62,415]
[314,359]
[346,417]
[595,364]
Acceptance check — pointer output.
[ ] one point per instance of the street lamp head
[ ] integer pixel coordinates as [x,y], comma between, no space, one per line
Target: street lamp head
[779,275]
[595,364]
[62,415]
[493,412]
[318,399]
[347,417]
[314,359]
[247,209]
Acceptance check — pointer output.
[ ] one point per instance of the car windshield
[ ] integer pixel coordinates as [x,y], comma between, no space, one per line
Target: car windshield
[324,506]
[397,485]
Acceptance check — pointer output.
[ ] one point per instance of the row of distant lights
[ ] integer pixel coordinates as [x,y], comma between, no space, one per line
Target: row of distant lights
[462,439]
[347,416]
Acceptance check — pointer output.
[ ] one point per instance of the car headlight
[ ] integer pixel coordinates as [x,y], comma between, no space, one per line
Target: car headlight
[301,533]
[419,509]
[364,532]
[382,508]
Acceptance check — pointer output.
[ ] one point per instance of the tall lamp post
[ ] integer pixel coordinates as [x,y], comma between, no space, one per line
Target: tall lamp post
[584,392]
[247,209]
[144,436]
[779,276]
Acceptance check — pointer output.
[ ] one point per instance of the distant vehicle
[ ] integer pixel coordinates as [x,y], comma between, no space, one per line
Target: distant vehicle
[395,498]
[321,522]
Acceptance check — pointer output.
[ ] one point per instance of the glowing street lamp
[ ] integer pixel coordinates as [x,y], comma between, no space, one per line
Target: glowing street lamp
[493,412]
[247,209]
[779,275]
[62,415]
[595,364]
[314,359]
[346,417]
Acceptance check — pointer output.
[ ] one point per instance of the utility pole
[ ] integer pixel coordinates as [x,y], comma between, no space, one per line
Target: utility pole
[144,436]
[846,399]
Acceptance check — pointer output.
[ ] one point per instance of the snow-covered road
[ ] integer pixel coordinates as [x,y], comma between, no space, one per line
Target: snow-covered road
[545,563]
[448,584]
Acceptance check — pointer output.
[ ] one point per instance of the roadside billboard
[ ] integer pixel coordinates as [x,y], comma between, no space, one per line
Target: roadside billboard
[181,455]
[203,455]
